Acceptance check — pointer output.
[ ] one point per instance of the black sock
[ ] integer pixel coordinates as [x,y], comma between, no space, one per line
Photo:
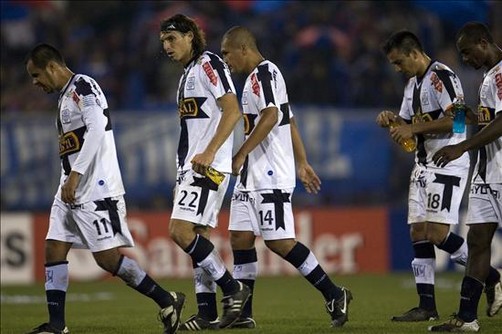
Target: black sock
[493,277]
[246,259]
[56,306]
[200,249]
[228,284]
[151,289]
[427,300]
[315,275]
[206,302]
[451,243]
[470,294]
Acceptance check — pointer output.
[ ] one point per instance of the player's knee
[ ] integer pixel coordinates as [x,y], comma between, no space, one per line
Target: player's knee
[281,247]
[241,240]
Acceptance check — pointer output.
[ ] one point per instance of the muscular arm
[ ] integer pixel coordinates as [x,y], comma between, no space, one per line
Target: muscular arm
[489,133]
[230,116]
[306,173]
[269,117]
[267,122]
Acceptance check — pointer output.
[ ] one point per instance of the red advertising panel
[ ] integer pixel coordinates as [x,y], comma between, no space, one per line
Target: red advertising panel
[345,241]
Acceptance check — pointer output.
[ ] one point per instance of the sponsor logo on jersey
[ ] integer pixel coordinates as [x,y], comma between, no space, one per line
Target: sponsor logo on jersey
[255,86]
[484,115]
[69,143]
[188,107]
[436,82]
[210,73]
[498,83]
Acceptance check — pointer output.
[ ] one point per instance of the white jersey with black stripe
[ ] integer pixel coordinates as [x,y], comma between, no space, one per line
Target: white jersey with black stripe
[86,141]
[271,164]
[489,164]
[206,78]
[426,99]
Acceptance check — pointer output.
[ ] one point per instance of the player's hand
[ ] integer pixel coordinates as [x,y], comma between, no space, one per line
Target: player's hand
[309,178]
[401,132]
[446,154]
[202,161]
[69,188]
[385,117]
[237,162]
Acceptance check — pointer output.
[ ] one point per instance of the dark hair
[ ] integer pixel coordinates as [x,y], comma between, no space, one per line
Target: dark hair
[42,54]
[184,24]
[475,31]
[404,40]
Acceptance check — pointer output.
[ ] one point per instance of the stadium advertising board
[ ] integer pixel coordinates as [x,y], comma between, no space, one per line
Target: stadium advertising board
[345,241]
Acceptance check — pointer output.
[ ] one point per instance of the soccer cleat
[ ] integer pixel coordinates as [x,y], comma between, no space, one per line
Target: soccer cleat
[417,314]
[455,324]
[493,299]
[339,309]
[170,316]
[233,305]
[244,323]
[46,328]
[196,323]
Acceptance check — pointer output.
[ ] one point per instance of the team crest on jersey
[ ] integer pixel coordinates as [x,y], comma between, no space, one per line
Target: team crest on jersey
[244,98]
[436,82]
[190,83]
[255,86]
[210,73]
[66,116]
[424,99]
[188,107]
[68,143]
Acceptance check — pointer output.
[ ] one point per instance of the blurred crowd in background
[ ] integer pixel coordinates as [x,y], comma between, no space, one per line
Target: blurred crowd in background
[329,51]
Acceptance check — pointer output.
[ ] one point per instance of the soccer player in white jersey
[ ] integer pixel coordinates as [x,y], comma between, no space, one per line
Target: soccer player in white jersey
[435,193]
[478,49]
[261,202]
[209,111]
[89,209]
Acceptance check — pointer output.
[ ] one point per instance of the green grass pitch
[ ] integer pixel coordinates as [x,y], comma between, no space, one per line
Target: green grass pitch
[281,305]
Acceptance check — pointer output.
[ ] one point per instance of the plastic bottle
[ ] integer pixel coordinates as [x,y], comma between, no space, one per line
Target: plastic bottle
[459,115]
[215,176]
[408,144]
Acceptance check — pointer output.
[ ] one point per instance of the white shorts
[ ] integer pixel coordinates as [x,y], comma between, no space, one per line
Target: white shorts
[96,225]
[435,197]
[265,212]
[485,204]
[197,199]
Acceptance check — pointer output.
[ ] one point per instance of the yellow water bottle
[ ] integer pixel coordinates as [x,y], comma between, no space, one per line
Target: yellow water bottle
[214,175]
[408,144]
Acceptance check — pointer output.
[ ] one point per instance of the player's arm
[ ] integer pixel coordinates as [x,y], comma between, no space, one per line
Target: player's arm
[305,172]
[230,116]
[488,134]
[95,122]
[440,125]
[268,119]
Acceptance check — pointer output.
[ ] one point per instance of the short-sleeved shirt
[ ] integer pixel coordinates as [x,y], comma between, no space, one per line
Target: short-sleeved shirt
[206,78]
[86,141]
[271,164]
[489,164]
[426,99]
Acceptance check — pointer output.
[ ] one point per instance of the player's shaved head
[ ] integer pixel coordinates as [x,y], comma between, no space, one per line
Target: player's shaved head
[241,36]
